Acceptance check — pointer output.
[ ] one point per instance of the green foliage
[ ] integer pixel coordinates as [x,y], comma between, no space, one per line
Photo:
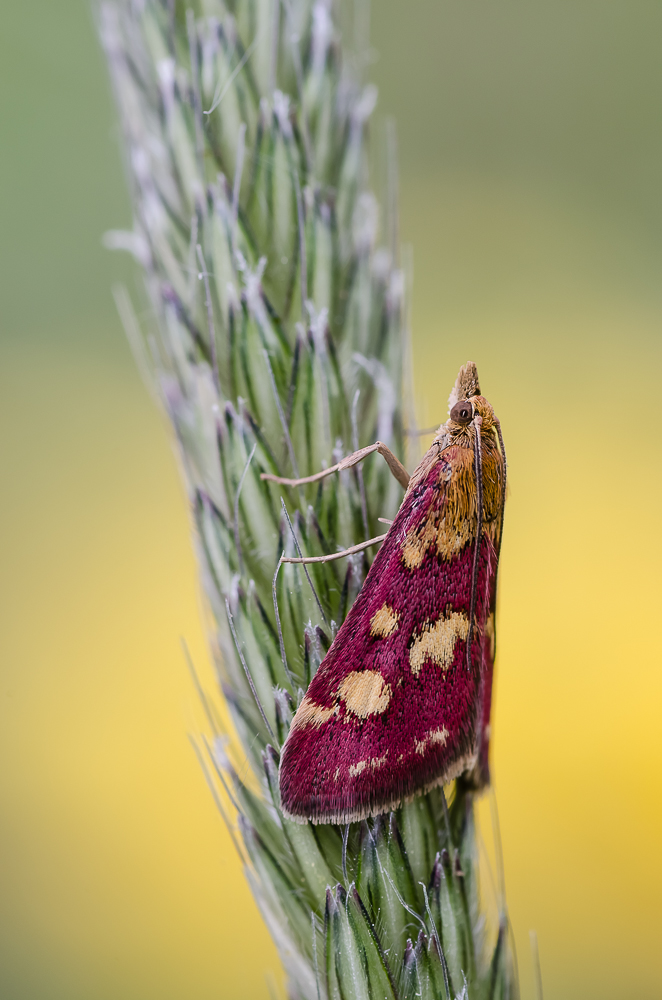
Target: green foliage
[275,339]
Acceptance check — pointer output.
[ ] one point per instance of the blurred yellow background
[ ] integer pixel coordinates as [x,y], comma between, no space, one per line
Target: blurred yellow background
[531,170]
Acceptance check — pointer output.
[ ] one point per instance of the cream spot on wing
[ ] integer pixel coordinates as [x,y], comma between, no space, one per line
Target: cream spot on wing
[489,632]
[337,774]
[437,642]
[434,736]
[417,542]
[378,761]
[309,713]
[384,622]
[365,692]
[438,735]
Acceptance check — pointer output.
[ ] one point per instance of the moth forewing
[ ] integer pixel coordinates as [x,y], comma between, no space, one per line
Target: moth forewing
[401,701]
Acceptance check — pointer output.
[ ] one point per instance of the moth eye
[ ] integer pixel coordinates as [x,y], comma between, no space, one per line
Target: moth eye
[462,412]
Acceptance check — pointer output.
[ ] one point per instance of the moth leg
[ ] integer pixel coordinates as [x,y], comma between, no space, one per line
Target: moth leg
[336,555]
[394,464]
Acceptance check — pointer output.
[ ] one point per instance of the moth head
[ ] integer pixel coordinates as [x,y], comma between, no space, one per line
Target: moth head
[462,412]
[466,385]
[465,410]
[466,402]
[483,409]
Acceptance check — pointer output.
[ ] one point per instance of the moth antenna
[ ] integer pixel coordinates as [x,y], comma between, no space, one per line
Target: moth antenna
[237,540]
[281,415]
[248,675]
[502,512]
[435,935]
[281,641]
[345,838]
[359,470]
[204,276]
[497,424]
[478,461]
[296,542]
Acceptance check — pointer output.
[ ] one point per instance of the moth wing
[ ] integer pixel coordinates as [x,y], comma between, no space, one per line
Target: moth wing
[393,709]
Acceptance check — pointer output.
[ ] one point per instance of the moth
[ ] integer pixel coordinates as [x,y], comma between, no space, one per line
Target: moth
[401,701]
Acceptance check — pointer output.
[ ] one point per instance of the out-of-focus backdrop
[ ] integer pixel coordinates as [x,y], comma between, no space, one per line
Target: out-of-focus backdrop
[531,171]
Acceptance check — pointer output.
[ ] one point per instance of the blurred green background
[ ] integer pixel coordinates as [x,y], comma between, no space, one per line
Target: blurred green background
[531,166]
